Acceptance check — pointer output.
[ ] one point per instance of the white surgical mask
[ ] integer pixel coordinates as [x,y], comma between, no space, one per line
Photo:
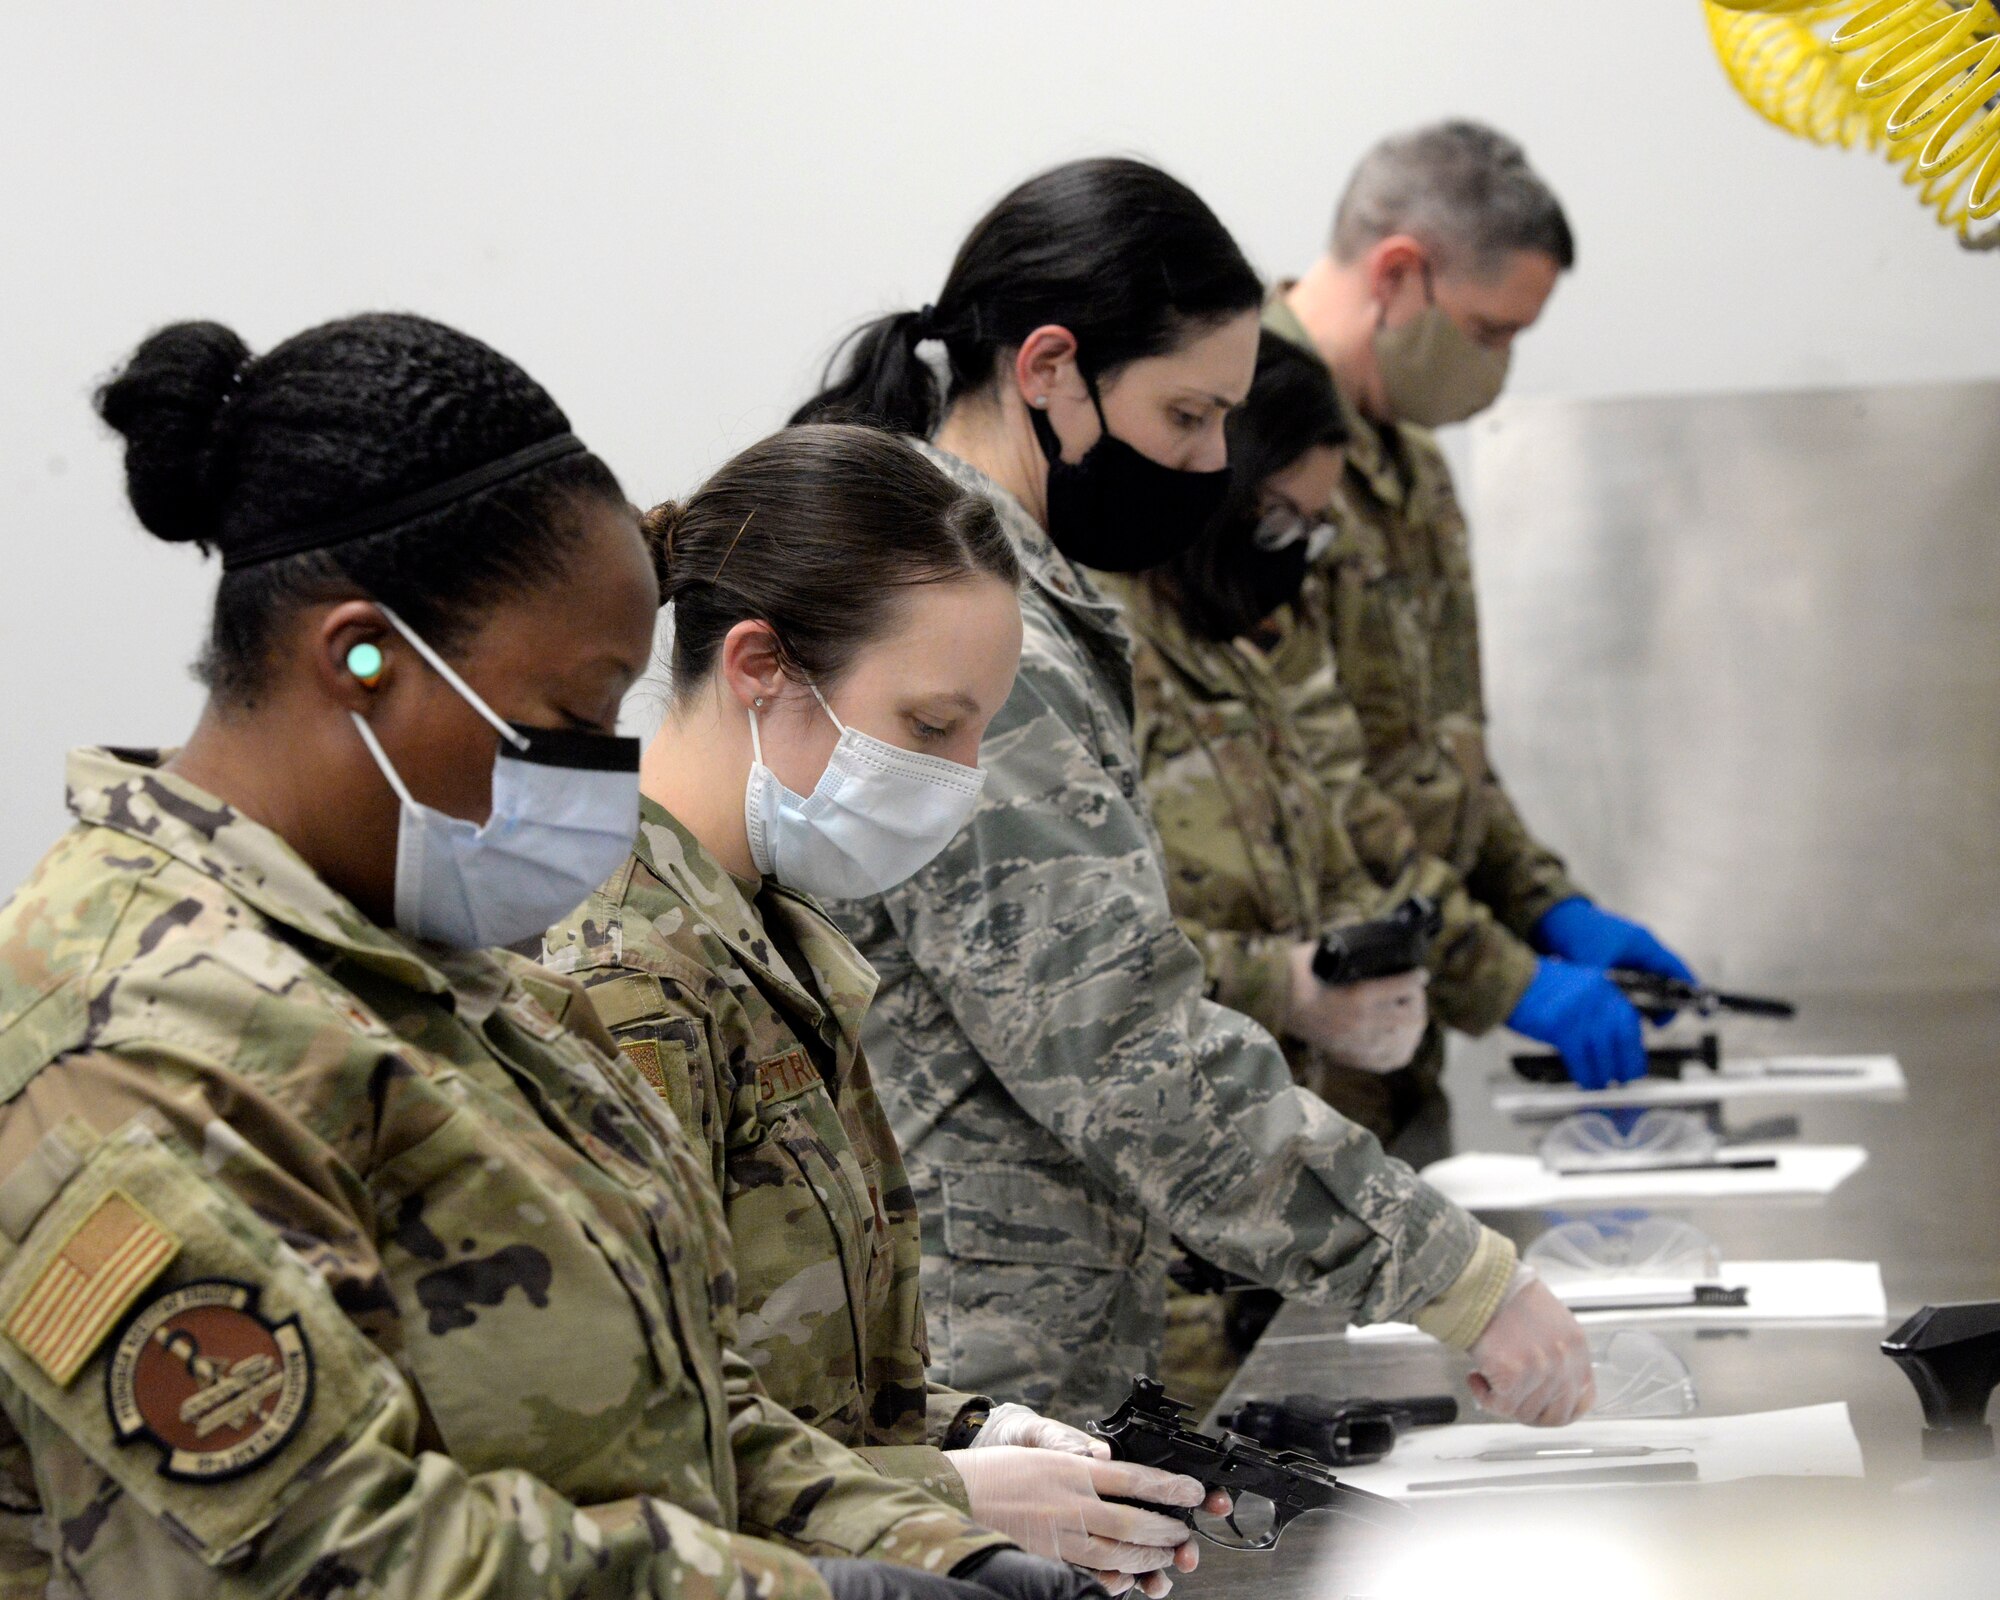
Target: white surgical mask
[876,817]
[565,812]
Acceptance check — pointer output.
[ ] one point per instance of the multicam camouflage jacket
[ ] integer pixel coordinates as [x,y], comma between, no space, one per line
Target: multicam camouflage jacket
[1478,968]
[330,1263]
[1258,858]
[1065,1094]
[1405,629]
[744,1008]
[1257,847]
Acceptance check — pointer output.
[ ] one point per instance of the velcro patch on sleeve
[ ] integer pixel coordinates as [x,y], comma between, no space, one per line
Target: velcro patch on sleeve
[663,1064]
[96,1273]
[217,1384]
[644,1054]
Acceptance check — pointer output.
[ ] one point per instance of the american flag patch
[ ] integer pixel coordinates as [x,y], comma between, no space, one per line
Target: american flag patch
[98,1271]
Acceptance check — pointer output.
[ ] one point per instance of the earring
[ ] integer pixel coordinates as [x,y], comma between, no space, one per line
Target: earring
[758,702]
[365,662]
[1040,402]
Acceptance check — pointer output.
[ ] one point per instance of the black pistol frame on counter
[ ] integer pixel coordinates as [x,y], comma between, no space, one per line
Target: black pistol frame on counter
[1148,1428]
[1662,1061]
[1340,1433]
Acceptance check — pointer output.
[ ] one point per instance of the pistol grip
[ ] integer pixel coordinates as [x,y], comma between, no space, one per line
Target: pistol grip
[1178,1513]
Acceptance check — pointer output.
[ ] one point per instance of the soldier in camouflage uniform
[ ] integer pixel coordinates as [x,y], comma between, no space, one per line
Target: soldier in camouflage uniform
[1260,862]
[743,1009]
[1256,765]
[1258,856]
[432,1171]
[1398,606]
[1478,968]
[741,1002]
[1445,247]
[1066,1096]
[336,1259]
[1104,1105]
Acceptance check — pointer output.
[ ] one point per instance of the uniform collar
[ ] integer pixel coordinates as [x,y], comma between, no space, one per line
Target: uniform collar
[129,792]
[1154,619]
[1046,566]
[1371,455]
[683,863]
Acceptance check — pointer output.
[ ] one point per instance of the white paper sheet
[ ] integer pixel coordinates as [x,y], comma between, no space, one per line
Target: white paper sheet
[1805,1442]
[1487,1182]
[1780,1291]
[1848,1078]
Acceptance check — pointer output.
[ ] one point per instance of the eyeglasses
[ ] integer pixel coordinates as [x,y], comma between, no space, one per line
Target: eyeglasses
[1281,527]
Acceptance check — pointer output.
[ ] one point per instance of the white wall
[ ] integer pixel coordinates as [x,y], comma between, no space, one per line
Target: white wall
[668,211]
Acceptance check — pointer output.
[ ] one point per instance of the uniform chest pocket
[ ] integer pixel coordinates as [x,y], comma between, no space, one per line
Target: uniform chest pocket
[1036,1216]
[501,1257]
[813,1184]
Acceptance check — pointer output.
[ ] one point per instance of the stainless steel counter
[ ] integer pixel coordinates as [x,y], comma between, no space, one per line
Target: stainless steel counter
[1927,1206]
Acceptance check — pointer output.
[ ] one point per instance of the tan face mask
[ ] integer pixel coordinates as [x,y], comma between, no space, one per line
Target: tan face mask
[1432,372]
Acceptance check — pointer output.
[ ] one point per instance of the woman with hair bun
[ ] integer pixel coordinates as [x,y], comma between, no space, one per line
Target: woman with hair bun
[1067,1098]
[846,622]
[310,1198]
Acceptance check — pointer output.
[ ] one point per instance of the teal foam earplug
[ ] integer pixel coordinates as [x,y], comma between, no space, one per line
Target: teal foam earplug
[365,662]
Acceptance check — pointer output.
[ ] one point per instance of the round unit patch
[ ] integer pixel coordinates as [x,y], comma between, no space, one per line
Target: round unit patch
[209,1380]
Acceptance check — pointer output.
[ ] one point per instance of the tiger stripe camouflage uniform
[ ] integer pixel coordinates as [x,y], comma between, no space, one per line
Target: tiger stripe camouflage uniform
[1065,1095]
[743,1007]
[360,1207]
[1403,621]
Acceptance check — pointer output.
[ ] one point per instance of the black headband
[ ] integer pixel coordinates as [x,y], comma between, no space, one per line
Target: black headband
[405,508]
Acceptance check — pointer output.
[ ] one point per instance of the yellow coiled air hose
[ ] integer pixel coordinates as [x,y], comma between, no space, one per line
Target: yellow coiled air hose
[1918,80]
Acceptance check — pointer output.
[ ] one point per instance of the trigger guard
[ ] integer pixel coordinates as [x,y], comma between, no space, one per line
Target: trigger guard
[1267,1542]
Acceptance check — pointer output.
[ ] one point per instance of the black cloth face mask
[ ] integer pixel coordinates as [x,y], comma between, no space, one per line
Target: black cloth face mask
[1264,580]
[1118,509]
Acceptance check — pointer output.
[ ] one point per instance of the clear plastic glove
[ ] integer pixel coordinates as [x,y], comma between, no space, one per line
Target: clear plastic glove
[1013,1424]
[1375,1025]
[1022,1425]
[1532,1364]
[1587,1018]
[1590,936]
[1054,1503]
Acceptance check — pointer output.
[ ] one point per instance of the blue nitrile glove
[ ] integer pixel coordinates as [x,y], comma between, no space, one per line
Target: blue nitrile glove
[1578,931]
[1588,1020]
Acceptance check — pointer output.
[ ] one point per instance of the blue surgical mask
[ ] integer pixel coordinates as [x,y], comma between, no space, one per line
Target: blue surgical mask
[876,817]
[565,812]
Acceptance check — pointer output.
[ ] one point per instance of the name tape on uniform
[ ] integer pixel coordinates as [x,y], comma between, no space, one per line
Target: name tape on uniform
[785,1076]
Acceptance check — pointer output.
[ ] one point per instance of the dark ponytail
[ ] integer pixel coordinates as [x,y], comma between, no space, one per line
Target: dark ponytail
[817,531]
[233,453]
[1128,259]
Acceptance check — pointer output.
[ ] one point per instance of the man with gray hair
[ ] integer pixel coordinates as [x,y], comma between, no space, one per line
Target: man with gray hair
[1445,248]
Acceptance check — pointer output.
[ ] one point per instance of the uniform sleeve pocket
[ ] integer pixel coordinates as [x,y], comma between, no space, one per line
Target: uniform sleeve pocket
[154,1320]
[1033,1216]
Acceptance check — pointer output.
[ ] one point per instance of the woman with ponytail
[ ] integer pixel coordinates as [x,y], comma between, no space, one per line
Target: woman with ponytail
[1067,1098]
[846,622]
